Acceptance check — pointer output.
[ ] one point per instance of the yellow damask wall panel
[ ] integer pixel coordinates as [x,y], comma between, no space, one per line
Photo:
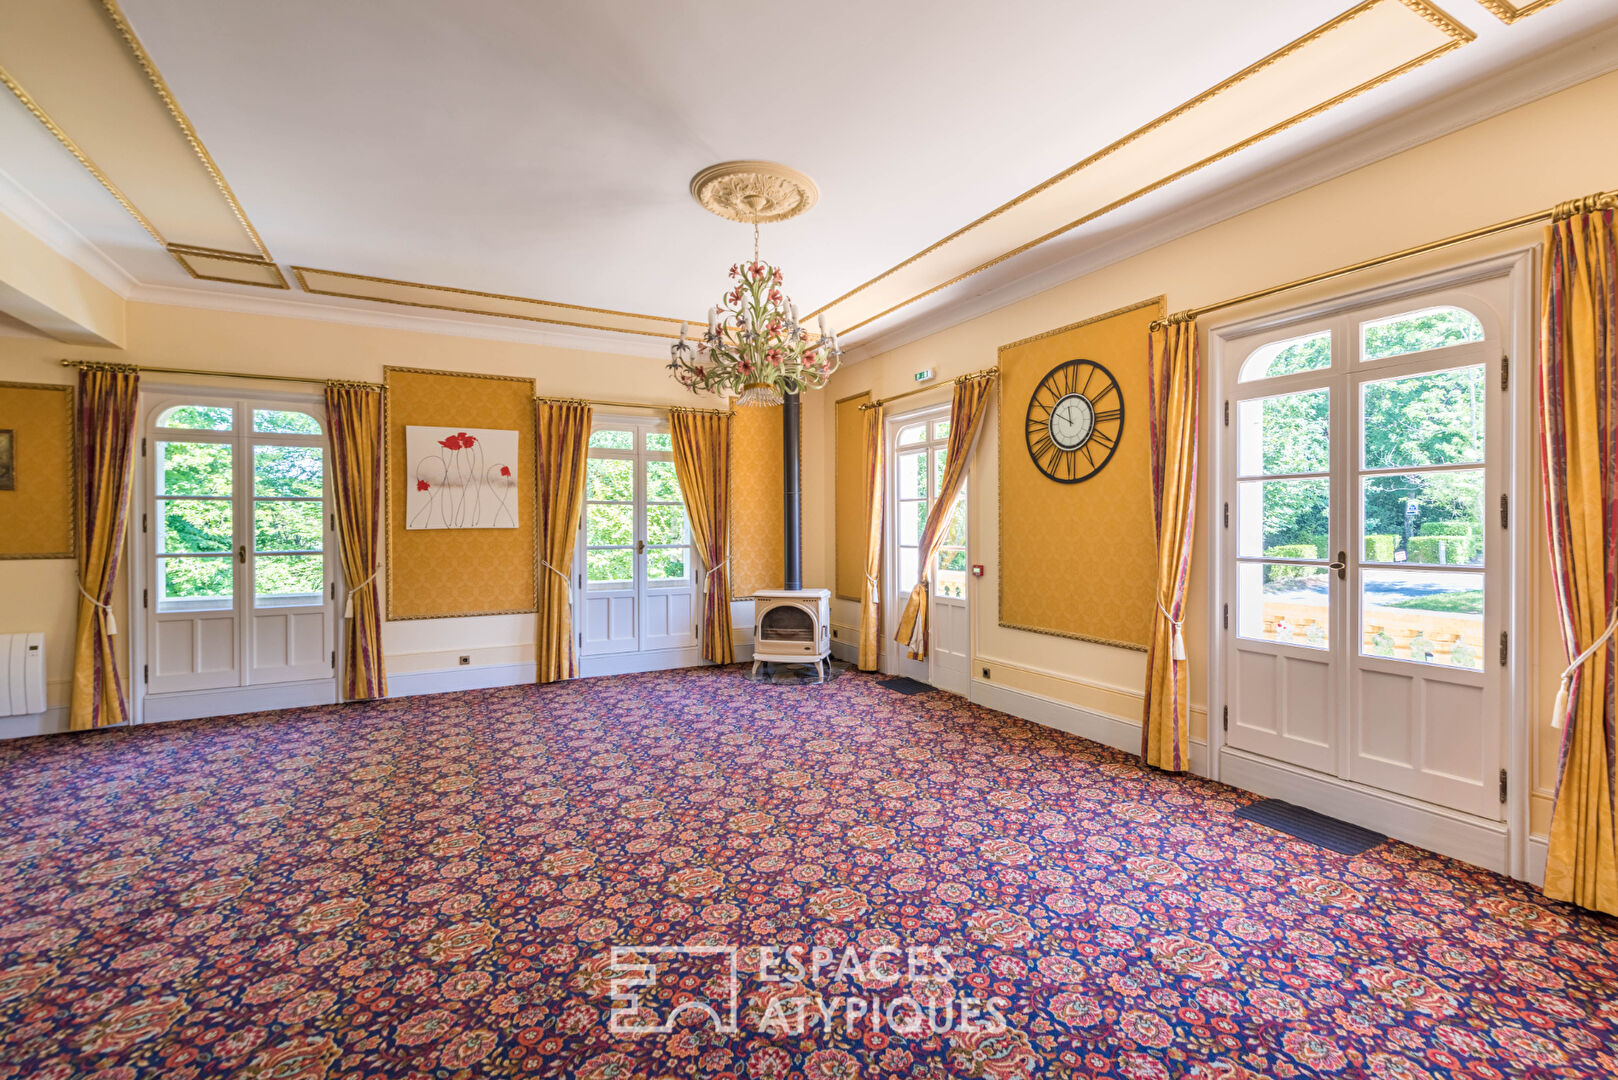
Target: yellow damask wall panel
[757,560]
[1079,560]
[438,573]
[38,510]
[849,452]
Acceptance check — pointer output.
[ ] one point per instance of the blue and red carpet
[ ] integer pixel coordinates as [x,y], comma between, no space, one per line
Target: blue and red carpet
[865,884]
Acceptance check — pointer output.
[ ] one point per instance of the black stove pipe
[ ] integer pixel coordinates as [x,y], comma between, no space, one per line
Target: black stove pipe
[792,505]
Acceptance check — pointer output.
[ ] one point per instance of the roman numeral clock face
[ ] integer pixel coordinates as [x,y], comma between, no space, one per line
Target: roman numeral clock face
[1075,419]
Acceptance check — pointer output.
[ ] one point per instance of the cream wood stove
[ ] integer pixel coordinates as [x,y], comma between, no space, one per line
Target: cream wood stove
[792,626]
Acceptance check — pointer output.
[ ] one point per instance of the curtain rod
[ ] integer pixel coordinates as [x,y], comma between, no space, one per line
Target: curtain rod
[630,405]
[935,386]
[93,364]
[1605,200]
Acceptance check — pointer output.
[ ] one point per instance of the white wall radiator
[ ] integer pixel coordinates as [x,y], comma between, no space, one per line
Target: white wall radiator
[22,674]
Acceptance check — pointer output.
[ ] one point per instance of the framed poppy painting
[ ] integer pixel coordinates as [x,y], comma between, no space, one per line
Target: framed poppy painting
[460,478]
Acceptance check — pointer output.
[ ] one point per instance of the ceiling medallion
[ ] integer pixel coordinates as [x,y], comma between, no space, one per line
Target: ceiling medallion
[754,192]
[753,346]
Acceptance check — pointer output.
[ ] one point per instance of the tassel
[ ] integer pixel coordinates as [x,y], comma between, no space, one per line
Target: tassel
[112,623]
[1176,643]
[348,606]
[1559,710]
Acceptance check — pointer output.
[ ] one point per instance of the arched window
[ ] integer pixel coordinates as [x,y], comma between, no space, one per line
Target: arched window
[199,418]
[1418,331]
[285,422]
[1308,353]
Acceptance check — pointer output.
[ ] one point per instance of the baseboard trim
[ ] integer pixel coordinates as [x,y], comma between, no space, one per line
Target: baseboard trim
[449,680]
[53,721]
[1539,850]
[236,700]
[1448,832]
[1104,728]
[842,650]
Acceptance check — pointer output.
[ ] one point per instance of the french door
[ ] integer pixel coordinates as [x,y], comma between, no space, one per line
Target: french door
[237,542]
[1367,546]
[918,452]
[635,570]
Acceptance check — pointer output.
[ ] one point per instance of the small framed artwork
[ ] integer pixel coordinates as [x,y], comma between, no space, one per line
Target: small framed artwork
[8,459]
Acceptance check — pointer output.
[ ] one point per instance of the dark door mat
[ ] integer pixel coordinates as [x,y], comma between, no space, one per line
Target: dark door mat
[1318,829]
[905,686]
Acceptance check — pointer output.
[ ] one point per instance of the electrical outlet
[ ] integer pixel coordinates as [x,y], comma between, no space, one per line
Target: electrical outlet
[834,631]
[985,673]
[465,660]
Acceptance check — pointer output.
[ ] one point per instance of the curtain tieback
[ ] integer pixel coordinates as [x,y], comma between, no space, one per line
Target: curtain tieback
[112,623]
[1176,637]
[348,603]
[707,579]
[1559,710]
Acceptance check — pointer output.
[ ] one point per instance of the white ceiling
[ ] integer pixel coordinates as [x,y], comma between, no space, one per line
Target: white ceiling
[543,149]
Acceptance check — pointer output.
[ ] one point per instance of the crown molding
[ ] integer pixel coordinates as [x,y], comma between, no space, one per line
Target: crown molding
[1536,78]
[50,229]
[486,328]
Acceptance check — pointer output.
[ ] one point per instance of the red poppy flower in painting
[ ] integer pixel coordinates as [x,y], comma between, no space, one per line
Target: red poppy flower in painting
[422,485]
[505,470]
[459,441]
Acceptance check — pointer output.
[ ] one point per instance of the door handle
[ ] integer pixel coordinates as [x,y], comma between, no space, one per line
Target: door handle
[640,547]
[1341,565]
[241,554]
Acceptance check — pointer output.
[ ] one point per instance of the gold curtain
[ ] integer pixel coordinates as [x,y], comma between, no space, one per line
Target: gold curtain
[965,419]
[1172,376]
[354,419]
[1578,412]
[562,437]
[702,463]
[108,401]
[871,591]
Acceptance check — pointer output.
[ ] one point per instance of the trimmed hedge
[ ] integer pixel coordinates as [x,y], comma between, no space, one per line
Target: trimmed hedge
[1427,549]
[1379,547]
[1290,551]
[1447,528]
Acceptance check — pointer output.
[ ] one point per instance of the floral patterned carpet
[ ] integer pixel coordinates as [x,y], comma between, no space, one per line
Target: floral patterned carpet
[432,887]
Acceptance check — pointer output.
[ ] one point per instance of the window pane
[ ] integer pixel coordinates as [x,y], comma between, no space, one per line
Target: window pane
[1424,517]
[194,468]
[193,525]
[1418,331]
[940,457]
[665,523]
[941,429]
[609,524]
[1286,604]
[661,483]
[667,566]
[288,526]
[288,470]
[198,417]
[202,583]
[612,440]
[913,475]
[285,421]
[1284,519]
[907,569]
[610,479]
[288,577]
[1290,433]
[1433,419]
[659,440]
[610,569]
[912,516]
[1429,617]
[913,434]
[1309,353]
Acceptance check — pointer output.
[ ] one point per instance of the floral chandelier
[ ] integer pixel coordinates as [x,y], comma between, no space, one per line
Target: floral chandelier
[754,347]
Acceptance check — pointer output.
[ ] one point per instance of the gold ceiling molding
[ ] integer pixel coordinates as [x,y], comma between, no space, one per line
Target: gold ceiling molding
[754,192]
[127,124]
[472,302]
[1509,13]
[1370,27]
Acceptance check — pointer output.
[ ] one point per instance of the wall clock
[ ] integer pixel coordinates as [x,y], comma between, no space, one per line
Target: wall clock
[1075,419]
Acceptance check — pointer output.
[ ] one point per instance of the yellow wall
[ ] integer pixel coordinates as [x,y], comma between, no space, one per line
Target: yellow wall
[38,594]
[1521,161]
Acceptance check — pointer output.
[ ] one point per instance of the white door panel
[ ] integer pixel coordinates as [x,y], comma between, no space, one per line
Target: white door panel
[917,453]
[1364,565]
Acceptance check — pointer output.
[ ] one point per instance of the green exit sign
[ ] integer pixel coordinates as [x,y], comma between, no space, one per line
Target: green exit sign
[925,375]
